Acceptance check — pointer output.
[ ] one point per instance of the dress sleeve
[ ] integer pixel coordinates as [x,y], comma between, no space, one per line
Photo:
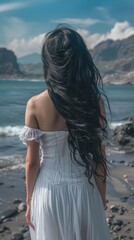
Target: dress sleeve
[30,134]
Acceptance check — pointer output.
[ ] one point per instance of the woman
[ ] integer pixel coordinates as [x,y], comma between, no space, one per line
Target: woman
[66,183]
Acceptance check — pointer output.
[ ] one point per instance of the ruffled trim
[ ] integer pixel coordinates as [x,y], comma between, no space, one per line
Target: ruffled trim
[30,134]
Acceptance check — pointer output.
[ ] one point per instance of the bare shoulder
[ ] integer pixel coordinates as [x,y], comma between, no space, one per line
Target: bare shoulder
[30,103]
[42,100]
[30,119]
[45,113]
[36,105]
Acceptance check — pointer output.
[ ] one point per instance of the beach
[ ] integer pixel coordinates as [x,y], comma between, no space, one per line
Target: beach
[119,212]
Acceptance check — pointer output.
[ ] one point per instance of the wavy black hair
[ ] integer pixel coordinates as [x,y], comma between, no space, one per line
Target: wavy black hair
[76,89]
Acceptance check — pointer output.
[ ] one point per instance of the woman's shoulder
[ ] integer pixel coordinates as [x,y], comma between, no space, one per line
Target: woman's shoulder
[41,108]
[40,99]
[42,104]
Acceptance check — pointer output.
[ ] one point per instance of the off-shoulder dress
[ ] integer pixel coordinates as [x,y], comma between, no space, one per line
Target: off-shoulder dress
[64,205]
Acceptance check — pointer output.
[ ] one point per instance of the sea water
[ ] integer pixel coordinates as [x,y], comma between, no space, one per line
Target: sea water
[13,98]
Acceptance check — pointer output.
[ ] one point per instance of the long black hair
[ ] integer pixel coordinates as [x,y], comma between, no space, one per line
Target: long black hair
[76,89]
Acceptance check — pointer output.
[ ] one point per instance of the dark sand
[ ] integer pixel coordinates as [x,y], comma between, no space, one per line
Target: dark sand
[120,192]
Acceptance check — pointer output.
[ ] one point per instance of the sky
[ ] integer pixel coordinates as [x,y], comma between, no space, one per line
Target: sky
[24,23]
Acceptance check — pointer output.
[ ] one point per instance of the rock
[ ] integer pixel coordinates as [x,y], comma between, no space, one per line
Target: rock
[17,236]
[124,135]
[131,194]
[4,228]
[8,63]
[128,230]
[112,161]
[116,228]
[26,235]
[123,141]
[122,237]
[8,214]
[7,220]
[109,220]
[121,161]
[114,208]
[131,164]
[124,199]
[22,207]
[118,222]
[121,212]
[125,176]
[24,229]
[17,201]
[111,216]
[11,186]
[126,164]
[1,183]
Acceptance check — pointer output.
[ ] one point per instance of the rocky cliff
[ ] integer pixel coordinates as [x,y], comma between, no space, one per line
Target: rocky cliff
[113,52]
[123,136]
[8,64]
[114,59]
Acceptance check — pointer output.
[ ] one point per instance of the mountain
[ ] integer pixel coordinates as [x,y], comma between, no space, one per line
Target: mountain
[115,56]
[32,71]
[31,58]
[8,64]
[114,59]
[112,50]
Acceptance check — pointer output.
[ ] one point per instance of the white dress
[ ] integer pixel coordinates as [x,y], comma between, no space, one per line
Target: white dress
[64,205]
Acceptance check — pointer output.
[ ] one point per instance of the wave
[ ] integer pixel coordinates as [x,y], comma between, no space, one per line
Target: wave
[30,80]
[10,131]
[116,151]
[12,162]
[24,80]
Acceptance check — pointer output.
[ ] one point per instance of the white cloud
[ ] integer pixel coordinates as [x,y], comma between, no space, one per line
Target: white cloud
[90,39]
[23,46]
[12,6]
[119,31]
[26,46]
[78,21]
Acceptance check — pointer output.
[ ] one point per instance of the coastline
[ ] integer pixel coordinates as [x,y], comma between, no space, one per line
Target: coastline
[114,82]
[119,212]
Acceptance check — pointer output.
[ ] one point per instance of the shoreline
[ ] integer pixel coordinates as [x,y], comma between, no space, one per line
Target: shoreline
[119,212]
[113,83]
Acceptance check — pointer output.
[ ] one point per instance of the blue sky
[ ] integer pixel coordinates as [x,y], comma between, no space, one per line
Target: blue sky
[24,23]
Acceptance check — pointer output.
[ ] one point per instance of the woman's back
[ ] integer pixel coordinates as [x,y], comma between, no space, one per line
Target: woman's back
[53,137]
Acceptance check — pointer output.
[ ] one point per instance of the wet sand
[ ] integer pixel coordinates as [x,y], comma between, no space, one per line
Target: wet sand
[119,212]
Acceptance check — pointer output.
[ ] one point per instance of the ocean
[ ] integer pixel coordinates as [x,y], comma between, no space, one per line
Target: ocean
[13,98]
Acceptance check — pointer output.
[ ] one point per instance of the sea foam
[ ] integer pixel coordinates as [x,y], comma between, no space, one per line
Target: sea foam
[10,131]
[113,125]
